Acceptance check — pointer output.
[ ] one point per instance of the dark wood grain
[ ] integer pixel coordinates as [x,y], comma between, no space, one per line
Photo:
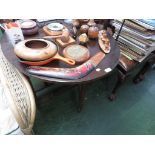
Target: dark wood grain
[110,60]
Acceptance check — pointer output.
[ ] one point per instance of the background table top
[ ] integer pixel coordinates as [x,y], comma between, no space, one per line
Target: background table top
[110,60]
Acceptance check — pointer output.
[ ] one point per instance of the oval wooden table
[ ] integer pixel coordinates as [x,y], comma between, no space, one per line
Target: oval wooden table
[110,61]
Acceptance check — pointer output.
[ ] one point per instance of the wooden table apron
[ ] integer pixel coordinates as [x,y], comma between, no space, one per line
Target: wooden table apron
[110,61]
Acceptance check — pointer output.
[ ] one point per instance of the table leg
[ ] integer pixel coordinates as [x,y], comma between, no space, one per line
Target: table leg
[120,79]
[46,84]
[82,91]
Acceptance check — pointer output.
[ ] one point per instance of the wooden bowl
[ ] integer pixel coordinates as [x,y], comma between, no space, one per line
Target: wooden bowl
[76,52]
[30,31]
[93,32]
[84,29]
[29,27]
[35,49]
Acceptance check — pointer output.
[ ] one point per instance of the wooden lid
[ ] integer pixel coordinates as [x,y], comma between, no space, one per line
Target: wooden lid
[28,24]
[76,52]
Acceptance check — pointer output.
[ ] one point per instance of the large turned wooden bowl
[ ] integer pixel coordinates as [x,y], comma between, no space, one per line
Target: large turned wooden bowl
[35,49]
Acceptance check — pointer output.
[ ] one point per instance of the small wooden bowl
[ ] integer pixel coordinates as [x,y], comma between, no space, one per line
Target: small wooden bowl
[29,27]
[84,28]
[76,52]
[93,32]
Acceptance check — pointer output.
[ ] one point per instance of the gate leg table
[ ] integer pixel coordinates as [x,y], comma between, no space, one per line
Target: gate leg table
[109,62]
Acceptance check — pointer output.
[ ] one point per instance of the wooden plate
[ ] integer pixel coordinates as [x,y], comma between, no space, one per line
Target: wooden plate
[51,33]
[55,27]
[76,52]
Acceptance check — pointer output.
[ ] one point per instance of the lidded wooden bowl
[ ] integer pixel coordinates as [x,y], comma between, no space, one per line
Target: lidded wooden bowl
[29,27]
[93,32]
[84,28]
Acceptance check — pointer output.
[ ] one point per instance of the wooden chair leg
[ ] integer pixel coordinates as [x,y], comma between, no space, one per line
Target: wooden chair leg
[120,79]
[140,76]
[82,91]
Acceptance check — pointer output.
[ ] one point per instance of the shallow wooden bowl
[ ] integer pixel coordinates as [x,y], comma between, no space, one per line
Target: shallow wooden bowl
[76,52]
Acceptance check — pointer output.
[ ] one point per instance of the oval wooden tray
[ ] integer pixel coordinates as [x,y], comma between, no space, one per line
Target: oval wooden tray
[102,46]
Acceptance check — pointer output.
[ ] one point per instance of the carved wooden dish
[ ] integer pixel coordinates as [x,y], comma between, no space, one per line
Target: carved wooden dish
[76,52]
[35,49]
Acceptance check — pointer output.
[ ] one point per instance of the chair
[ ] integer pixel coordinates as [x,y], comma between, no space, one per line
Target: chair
[19,95]
[126,67]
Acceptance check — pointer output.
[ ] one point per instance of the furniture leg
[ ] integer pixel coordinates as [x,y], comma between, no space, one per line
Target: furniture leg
[120,80]
[82,91]
[47,84]
[140,76]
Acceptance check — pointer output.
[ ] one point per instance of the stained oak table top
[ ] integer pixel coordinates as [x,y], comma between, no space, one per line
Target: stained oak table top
[110,60]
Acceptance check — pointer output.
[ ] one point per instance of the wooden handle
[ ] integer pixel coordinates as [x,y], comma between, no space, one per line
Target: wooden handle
[44,62]
[66,60]
[52,37]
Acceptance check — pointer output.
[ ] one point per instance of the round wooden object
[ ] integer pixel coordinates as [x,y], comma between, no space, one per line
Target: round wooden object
[28,24]
[93,32]
[50,32]
[29,27]
[76,52]
[55,27]
[35,49]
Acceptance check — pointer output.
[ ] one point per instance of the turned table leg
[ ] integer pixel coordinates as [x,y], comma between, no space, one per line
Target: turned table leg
[82,91]
[120,79]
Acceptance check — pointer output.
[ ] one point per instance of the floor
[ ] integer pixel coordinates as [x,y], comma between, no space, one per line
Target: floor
[132,113]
